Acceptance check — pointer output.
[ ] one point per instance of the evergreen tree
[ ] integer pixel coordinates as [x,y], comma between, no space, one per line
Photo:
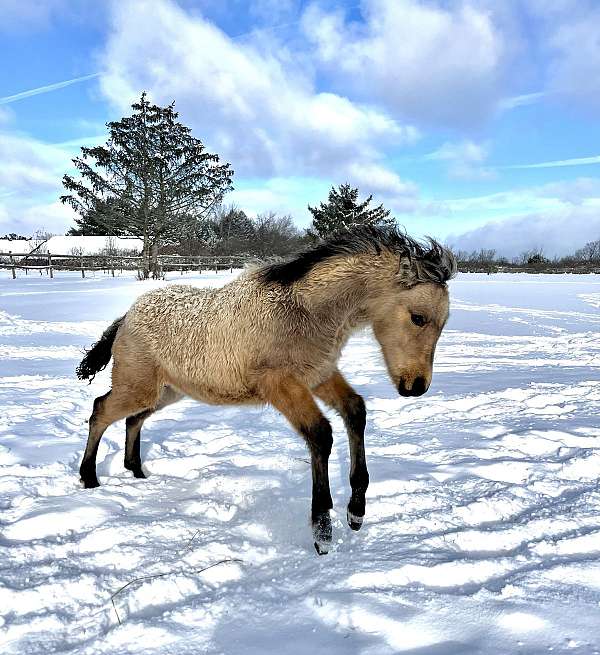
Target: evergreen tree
[343,211]
[103,219]
[233,223]
[150,181]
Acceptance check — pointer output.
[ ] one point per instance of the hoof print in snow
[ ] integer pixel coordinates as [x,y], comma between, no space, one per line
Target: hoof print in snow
[355,522]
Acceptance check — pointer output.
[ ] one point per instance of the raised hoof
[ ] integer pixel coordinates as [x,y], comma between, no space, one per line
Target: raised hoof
[355,522]
[322,533]
[322,549]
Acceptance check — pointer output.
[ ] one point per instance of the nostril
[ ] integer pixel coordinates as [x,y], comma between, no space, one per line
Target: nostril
[418,387]
[402,390]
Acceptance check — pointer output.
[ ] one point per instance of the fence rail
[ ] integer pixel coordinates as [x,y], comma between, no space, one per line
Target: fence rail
[51,262]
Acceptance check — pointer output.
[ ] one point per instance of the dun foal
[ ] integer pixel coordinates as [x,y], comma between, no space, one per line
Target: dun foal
[274,335]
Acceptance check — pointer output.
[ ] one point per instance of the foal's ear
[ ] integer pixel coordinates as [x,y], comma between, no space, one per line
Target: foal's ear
[406,272]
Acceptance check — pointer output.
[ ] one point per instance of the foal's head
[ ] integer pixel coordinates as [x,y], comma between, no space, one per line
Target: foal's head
[408,324]
[410,308]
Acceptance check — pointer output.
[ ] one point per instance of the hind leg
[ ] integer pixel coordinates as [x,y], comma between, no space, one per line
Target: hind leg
[128,396]
[87,470]
[133,427]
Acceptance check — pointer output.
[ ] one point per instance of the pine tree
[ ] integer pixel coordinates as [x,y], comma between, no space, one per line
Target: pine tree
[151,180]
[343,211]
[232,229]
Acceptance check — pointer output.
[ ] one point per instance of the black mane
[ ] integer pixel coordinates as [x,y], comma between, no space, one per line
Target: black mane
[432,262]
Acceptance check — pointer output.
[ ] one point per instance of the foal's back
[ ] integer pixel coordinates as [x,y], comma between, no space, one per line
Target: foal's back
[211,343]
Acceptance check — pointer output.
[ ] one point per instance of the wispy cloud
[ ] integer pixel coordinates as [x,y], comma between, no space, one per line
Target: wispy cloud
[522,100]
[465,160]
[578,161]
[46,89]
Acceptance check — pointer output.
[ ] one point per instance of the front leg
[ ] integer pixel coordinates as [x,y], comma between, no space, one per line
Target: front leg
[339,395]
[295,401]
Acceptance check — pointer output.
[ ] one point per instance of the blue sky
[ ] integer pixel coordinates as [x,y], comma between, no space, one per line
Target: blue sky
[476,121]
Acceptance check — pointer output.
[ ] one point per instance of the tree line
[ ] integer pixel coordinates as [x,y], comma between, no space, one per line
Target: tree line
[488,260]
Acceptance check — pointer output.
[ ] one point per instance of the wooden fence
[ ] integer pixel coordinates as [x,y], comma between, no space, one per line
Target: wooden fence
[50,262]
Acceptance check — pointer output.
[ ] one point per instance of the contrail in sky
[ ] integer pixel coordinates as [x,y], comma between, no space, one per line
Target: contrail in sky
[561,162]
[45,89]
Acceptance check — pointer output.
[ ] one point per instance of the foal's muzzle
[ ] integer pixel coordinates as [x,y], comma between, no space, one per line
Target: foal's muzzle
[418,388]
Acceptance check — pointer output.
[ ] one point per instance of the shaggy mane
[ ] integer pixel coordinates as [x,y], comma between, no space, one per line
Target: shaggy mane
[430,261]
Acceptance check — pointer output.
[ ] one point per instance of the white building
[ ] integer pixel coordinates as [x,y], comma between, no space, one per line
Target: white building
[71,245]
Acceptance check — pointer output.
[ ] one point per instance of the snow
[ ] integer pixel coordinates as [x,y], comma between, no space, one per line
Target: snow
[482,532]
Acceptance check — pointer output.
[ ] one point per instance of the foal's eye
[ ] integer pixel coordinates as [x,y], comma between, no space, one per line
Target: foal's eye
[418,319]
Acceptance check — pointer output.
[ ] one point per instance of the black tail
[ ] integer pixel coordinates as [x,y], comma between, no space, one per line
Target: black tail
[98,356]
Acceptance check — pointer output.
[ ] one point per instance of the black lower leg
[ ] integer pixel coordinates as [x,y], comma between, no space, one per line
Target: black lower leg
[359,481]
[320,441]
[133,428]
[355,418]
[87,470]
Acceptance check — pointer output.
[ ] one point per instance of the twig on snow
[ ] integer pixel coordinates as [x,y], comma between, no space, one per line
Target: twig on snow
[162,575]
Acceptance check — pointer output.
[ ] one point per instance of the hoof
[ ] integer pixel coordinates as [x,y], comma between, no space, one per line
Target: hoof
[355,522]
[90,483]
[322,533]
[322,549]
[135,468]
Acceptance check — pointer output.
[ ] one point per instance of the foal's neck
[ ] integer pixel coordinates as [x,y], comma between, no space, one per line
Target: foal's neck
[337,290]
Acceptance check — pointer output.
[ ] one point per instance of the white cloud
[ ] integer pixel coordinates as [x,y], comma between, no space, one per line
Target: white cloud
[281,195]
[50,216]
[465,160]
[29,166]
[566,33]
[385,185]
[536,199]
[253,103]
[30,184]
[559,217]
[433,64]
[558,232]
[575,70]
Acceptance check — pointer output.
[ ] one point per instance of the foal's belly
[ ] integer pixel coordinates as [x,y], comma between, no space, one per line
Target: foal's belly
[206,389]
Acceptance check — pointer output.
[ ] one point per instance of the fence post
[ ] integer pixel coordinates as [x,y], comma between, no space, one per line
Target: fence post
[12,261]
[50,265]
[82,269]
[216,267]
[231,267]
[199,265]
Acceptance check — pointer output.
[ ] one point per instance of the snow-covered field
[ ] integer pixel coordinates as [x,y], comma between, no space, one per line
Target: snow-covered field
[482,532]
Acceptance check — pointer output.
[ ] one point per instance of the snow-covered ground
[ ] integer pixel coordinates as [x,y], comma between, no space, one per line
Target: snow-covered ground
[482,532]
